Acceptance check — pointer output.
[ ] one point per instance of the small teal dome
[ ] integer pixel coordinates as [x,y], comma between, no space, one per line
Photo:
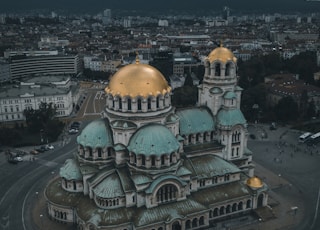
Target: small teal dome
[153,139]
[96,134]
[230,117]
[230,95]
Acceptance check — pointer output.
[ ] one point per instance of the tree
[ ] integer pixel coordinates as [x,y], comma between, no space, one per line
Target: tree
[43,121]
[287,109]
[185,96]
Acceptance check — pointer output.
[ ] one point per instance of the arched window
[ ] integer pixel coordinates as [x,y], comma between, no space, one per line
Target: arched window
[234,207]
[143,160]
[74,185]
[158,102]
[240,205]
[99,152]
[163,157]
[129,104]
[167,193]
[90,151]
[248,203]
[197,137]
[153,161]
[194,222]
[215,212]
[227,177]
[228,209]
[149,103]
[139,104]
[201,220]
[222,210]
[190,139]
[217,71]
[120,103]
[227,70]
[188,224]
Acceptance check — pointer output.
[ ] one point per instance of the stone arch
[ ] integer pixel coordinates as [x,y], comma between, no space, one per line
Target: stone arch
[201,220]
[195,223]
[217,69]
[234,207]
[228,209]
[215,212]
[240,205]
[248,204]
[176,225]
[221,211]
[188,224]
[260,200]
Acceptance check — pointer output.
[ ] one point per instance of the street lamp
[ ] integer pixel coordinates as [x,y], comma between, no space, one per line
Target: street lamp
[41,221]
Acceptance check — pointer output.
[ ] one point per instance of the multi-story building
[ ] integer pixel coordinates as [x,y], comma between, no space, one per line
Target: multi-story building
[285,85]
[54,65]
[4,71]
[14,99]
[184,63]
[146,165]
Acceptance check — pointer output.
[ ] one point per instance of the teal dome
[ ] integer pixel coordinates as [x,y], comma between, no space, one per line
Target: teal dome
[230,95]
[153,139]
[96,135]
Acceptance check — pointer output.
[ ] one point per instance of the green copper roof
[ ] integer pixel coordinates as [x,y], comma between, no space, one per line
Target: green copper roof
[196,120]
[230,95]
[161,179]
[216,90]
[153,139]
[230,117]
[70,170]
[96,135]
[208,166]
[110,187]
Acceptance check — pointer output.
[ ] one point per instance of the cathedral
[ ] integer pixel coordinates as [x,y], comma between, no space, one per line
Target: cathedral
[147,165]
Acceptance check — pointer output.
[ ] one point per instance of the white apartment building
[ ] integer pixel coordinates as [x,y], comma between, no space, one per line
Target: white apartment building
[57,65]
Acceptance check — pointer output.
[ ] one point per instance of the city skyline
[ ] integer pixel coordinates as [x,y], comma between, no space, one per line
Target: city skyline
[165,5]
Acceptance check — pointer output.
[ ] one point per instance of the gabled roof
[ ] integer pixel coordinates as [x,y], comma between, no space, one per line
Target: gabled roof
[208,166]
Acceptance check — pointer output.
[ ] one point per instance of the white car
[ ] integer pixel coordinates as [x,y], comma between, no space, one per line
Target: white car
[18,159]
[49,147]
[73,131]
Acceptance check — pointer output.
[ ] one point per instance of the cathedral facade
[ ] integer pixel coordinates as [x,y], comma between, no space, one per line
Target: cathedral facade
[147,165]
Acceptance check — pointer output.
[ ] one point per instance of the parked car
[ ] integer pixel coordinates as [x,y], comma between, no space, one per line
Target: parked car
[34,152]
[73,131]
[75,125]
[49,147]
[19,159]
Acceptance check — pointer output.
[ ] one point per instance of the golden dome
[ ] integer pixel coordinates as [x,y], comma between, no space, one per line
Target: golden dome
[138,80]
[255,182]
[222,54]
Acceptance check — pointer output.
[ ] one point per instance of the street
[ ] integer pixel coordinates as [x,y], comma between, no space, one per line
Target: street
[280,152]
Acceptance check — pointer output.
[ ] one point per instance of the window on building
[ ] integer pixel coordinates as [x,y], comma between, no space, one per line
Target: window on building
[167,193]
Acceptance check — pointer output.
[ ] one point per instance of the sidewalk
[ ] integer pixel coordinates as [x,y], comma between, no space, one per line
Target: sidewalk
[282,198]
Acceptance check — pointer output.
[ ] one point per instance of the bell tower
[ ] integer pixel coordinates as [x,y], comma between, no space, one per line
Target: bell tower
[220,76]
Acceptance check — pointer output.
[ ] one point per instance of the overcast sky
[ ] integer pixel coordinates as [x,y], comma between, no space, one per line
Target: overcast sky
[98,5]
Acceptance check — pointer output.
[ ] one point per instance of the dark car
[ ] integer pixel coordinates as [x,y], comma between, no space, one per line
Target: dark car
[13,161]
[75,125]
